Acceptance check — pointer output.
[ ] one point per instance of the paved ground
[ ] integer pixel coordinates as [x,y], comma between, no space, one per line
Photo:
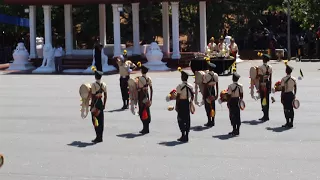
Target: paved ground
[44,138]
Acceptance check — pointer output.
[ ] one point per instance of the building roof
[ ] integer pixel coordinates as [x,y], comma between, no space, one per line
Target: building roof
[83,2]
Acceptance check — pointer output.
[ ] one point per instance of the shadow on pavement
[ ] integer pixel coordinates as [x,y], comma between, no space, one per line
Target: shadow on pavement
[171,143]
[80,144]
[278,129]
[224,136]
[253,122]
[117,110]
[199,128]
[129,135]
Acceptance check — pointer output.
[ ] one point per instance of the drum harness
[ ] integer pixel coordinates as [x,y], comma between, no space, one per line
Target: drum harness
[144,86]
[237,87]
[211,80]
[187,89]
[286,83]
[100,91]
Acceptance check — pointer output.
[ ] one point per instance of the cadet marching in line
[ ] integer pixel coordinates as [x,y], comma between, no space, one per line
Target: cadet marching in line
[288,94]
[184,99]
[142,93]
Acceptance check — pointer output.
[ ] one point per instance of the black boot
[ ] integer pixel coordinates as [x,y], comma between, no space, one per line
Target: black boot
[212,121]
[124,104]
[182,137]
[127,104]
[209,123]
[287,123]
[186,137]
[233,132]
[145,129]
[237,130]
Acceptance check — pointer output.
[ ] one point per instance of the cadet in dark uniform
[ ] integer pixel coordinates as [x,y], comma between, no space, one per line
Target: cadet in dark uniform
[97,56]
[98,90]
[288,94]
[235,94]
[144,100]
[185,95]
[125,67]
[265,81]
[211,90]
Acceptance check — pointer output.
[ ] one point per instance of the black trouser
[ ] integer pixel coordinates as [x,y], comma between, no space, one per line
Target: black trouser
[142,107]
[184,115]
[100,127]
[58,64]
[98,63]
[234,112]
[209,105]
[288,97]
[265,93]
[124,88]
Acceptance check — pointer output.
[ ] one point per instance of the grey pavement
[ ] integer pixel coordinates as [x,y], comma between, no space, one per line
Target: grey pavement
[43,137]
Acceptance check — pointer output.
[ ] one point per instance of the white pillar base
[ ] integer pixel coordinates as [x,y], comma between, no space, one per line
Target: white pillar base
[21,66]
[176,56]
[44,70]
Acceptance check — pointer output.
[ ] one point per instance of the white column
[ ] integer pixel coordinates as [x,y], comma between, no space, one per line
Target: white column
[136,29]
[116,30]
[47,24]
[102,24]
[175,30]
[203,26]
[33,34]
[68,28]
[165,28]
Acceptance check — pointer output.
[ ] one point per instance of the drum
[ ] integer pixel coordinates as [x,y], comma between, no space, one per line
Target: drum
[253,72]
[133,92]
[1,160]
[192,108]
[84,90]
[199,77]
[296,104]
[223,96]
[241,104]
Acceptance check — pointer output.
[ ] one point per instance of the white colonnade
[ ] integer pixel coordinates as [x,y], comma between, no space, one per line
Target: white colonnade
[165,28]
[68,23]
[47,25]
[102,25]
[116,26]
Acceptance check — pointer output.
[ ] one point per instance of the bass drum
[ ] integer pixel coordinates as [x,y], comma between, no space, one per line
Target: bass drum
[84,90]
[199,77]
[133,92]
[254,77]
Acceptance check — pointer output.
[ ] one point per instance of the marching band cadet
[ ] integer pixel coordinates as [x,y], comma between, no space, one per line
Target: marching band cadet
[185,96]
[144,100]
[233,48]
[235,94]
[265,78]
[288,94]
[212,45]
[98,90]
[221,45]
[125,67]
[210,81]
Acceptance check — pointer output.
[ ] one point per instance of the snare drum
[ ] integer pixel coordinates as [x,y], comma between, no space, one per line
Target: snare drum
[1,160]
[241,104]
[296,104]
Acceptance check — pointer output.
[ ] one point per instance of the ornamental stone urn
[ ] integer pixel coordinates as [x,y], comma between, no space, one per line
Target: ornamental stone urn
[21,59]
[154,56]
